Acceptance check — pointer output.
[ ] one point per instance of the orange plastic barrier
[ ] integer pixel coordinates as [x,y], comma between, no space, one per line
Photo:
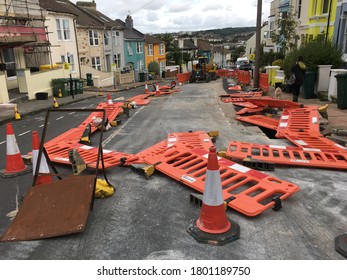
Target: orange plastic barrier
[193,139]
[263,82]
[232,99]
[260,120]
[246,94]
[112,111]
[244,77]
[305,140]
[225,73]
[245,104]
[287,155]
[274,103]
[142,99]
[250,110]
[248,191]
[299,120]
[59,152]
[183,77]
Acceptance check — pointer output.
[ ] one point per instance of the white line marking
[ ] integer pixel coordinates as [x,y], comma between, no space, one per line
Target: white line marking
[24,133]
[71,113]
[41,125]
[57,119]
[3,142]
[114,134]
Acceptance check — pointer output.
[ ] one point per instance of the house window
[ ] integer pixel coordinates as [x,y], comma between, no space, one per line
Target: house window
[161,49]
[117,60]
[139,47]
[69,58]
[299,8]
[150,50]
[96,63]
[345,38]
[106,38]
[93,38]
[116,39]
[130,51]
[325,7]
[10,62]
[314,8]
[63,29]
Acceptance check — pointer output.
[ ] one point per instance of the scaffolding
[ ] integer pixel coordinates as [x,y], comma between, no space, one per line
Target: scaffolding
[22,25]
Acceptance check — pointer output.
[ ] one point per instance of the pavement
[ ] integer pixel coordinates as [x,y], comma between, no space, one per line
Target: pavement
[336,117]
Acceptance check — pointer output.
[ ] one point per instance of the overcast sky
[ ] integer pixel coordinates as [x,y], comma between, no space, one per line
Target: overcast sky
[160,16]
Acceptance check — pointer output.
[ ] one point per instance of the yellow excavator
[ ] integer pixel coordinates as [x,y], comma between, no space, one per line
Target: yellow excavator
[203,70]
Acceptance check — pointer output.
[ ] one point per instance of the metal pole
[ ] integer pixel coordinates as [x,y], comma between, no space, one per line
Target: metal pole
[257,45]
[113,42]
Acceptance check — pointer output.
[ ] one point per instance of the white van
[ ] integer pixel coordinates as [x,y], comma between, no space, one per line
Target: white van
[241,60]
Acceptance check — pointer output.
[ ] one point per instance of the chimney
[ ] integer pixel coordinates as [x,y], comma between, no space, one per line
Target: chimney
[85,4]
[129,22]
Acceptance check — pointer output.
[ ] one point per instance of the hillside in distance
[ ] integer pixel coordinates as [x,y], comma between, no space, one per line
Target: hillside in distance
[231,34]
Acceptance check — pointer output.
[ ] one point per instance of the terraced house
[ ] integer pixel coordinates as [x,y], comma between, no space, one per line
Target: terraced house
[155,51]
[340,30]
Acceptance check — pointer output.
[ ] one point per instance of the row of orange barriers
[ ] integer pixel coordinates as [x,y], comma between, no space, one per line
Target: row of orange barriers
[226,73]
[183,77]
[243,77]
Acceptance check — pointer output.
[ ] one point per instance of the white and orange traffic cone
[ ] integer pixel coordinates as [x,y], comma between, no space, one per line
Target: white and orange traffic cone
[157,91]
[213,226]
[146,88]
[14,162]
[43,166]
[55,103]
[109,99]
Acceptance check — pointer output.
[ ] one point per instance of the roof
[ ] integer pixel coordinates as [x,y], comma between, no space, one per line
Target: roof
[188,44]
[152,39]
[130,33]
[55,6]
[82,18]
[203,45]
[100,17]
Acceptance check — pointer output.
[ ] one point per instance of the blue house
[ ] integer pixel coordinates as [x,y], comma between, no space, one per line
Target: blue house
[134,46]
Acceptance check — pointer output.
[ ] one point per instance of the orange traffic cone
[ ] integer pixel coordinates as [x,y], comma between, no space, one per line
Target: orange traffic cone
[55,103]
[109,99]
[146,88]
[14,162]
[213,226]
[43,166]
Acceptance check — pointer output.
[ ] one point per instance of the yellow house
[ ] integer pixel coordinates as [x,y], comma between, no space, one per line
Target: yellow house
[155,51]
[321,19]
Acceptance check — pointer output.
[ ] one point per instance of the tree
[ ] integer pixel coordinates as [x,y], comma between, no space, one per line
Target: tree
[286,37]
[316,52]
[172,51]
[154,67]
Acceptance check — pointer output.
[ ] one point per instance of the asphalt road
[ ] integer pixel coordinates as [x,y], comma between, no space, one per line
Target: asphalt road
[147,219]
